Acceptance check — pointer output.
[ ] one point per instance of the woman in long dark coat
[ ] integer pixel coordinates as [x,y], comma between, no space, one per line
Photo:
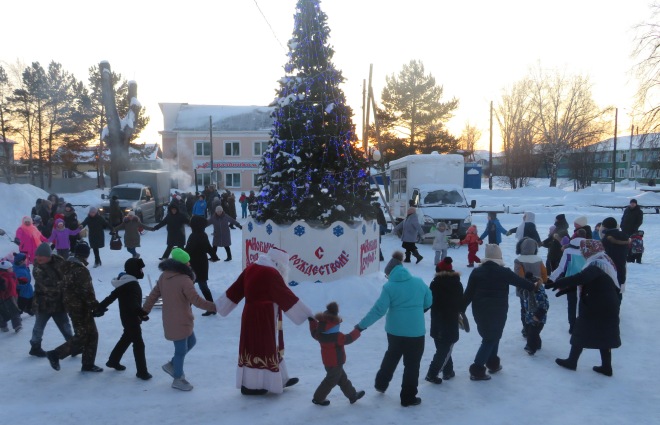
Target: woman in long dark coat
[597,324]
[95,224]
[488,292]
[199,247]
[176,222]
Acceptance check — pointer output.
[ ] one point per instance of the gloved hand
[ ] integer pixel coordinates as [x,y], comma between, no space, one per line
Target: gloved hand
[311,319]
[549,284]
[240,227]
[359,328]
[99,311]
[144,316]
[565,291]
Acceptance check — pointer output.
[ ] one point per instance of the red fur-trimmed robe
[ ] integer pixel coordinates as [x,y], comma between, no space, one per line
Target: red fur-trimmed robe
[261,348]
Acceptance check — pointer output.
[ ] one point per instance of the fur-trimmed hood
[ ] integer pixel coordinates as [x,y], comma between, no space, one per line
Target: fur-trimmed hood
[171,265]
[123,279]
[448,273]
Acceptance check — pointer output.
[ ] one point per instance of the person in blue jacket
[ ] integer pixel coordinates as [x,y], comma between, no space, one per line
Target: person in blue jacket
[200,207]
[25,289]
[494,229]
[403,300]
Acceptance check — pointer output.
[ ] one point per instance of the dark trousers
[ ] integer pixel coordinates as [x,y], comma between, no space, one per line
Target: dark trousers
[571,298]
[25,305]
[204,287]
[167,252]
[487,353]
[131,335]
[534,336]
[334,376]
[97,256]
[442,360]
[411,349]
[227,250]
[605,356]
[85,340]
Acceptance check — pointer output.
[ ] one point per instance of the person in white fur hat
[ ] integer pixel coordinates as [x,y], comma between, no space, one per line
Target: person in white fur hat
[261,366]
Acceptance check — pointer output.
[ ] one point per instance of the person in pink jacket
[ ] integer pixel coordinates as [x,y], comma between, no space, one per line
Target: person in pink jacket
[178,292]
[30,238]
[60,237]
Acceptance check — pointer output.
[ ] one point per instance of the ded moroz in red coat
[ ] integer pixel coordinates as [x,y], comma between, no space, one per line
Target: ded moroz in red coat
[261,348]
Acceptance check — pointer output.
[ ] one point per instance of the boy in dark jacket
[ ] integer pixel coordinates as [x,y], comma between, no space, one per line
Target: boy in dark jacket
[128,292]
[325,329]
[199,248]
[447,291]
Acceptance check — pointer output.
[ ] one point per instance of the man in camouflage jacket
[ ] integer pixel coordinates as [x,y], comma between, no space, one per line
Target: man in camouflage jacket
[80,302]
[48,300]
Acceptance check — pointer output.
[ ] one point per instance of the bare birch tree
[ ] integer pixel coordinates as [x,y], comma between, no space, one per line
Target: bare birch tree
[565,116]
[516,118]
[647,69]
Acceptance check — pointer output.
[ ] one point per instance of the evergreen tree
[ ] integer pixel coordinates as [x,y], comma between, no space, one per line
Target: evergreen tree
[311,169]
[412,107]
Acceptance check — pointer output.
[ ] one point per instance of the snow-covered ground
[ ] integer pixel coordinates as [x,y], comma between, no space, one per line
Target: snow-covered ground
[530,389]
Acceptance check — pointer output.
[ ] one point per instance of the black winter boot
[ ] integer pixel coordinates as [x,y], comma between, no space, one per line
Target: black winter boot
[494,365]
[478,373]
[37,351]
[407,259]
[418,256]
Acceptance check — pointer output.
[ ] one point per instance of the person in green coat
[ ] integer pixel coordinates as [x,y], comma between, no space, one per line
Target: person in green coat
[403,300]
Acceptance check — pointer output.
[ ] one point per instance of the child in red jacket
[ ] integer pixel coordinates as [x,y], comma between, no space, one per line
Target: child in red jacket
[8,309]
[473,242]
[325,329]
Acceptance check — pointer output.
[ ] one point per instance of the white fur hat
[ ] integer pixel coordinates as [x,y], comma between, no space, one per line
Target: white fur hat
[581,221]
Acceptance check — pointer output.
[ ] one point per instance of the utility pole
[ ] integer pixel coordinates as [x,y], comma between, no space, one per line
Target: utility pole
[630,161]
[490,154]
[211,147]
[616,119]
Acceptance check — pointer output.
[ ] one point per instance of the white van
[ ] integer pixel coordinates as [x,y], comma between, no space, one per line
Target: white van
[432,183]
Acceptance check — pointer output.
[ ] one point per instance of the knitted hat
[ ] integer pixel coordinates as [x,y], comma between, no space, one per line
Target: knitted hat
[494,254]
[81,250]
[36,219]
[59,221]
[5,265]
[581,221]
[610,223]
[332,309]
[444,265]
[397,260]
[633,200]
[218,209]
[180,255]
[560,217]
[43,250]
[134,266]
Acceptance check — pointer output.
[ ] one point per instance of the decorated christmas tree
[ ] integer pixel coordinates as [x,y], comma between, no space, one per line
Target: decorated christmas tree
[311,170]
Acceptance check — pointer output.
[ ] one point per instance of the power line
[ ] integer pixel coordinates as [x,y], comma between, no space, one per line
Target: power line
[269,26]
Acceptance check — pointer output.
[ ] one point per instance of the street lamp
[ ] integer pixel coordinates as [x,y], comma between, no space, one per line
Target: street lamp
[616,118]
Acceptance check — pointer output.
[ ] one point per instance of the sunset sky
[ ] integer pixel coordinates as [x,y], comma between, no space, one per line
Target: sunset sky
[225,52]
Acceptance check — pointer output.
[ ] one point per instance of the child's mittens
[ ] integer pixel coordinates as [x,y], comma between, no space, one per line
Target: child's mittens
[481,242]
